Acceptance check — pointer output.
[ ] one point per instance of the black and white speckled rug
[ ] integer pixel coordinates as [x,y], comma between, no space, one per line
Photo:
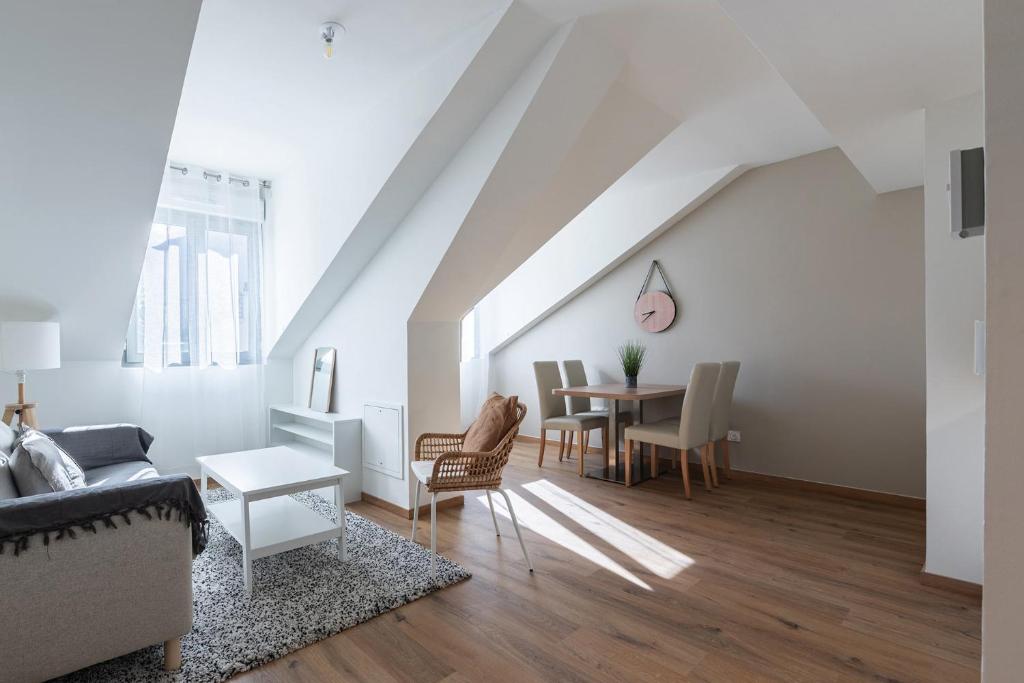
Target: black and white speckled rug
[299,597]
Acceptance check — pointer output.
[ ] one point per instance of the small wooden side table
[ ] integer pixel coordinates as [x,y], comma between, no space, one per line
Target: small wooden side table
[25,411]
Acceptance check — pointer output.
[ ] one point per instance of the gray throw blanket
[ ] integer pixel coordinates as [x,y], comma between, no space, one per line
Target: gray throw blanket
[68,513]
[65,514]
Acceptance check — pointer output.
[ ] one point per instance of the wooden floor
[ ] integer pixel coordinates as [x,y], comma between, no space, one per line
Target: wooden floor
[747,583]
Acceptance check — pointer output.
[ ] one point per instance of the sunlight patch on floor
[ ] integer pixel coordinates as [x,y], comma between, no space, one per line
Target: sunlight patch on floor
[658,558]
[540,523]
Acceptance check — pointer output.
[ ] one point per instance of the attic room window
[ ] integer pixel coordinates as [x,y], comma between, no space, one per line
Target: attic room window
[199,297]
[470,329]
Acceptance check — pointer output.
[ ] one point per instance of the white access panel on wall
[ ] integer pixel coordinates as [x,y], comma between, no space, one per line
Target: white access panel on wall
[383,447]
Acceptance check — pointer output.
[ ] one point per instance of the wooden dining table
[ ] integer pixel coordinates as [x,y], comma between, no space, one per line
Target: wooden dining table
[614,394]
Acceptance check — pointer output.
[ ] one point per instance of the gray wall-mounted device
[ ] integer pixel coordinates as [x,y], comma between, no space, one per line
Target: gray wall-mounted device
[967,192]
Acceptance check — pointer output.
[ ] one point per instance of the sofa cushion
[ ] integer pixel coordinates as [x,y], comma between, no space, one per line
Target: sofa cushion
[40,466]
[120,472]
[7,486]
[497,415]
[7,439]
[99,445]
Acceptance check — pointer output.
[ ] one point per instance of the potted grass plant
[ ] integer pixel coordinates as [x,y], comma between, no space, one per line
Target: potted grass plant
[631,355]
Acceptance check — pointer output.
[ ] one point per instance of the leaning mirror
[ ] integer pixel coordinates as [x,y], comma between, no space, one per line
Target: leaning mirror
[322,383]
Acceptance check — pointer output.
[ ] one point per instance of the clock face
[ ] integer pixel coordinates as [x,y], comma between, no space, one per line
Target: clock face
[654,311]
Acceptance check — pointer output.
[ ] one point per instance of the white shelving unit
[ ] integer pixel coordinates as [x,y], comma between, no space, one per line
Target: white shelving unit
[332,437]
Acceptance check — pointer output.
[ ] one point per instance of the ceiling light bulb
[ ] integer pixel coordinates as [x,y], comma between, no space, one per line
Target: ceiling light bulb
[329,30]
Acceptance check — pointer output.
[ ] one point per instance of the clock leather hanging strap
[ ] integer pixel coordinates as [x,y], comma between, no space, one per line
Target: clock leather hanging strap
[654,311]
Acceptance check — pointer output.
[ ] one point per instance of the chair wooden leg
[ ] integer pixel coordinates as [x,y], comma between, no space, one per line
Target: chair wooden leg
[713,464]
[581,452]
[568,444]
[707,469]
[654,461]
[629,462]
[725,459]
[685,467]
[604,445]
[543,441]
[172,654]
[561,444]
[586,441]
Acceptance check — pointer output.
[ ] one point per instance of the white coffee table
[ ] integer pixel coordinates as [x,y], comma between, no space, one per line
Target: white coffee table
[264,519]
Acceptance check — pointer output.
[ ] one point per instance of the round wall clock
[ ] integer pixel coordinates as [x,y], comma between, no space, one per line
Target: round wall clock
[654,311]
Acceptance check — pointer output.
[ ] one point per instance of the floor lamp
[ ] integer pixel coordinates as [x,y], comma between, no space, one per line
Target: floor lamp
[27,346]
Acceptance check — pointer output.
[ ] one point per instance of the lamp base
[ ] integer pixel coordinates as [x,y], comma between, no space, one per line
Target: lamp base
[26,413]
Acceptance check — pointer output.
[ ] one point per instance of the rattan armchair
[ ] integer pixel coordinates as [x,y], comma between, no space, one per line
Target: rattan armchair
[441,466]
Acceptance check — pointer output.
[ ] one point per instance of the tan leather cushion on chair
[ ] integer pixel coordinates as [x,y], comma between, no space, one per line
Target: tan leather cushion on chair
[497,415]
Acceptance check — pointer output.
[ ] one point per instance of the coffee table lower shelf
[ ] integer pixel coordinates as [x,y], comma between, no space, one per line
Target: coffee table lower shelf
[276,525]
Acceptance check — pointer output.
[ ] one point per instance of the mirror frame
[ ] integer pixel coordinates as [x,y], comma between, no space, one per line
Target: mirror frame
[312,379]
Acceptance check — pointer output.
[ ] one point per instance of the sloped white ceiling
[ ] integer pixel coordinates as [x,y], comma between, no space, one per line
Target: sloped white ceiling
[88,95]
[622,129]
[86,115]
[573,86]
[867,68]
[487,60]
[734,107]
[259,96]
[733,110]
[720,102]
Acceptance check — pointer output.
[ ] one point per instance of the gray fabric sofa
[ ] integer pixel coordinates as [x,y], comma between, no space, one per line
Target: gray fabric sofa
[95,573]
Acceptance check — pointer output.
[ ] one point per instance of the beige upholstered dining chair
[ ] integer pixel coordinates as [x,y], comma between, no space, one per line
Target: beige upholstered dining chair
[441,466]
[689,431]
[553,414]
[576,376]
[721,407]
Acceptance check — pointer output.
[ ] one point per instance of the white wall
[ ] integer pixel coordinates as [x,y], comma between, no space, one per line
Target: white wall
[816,284]
[368,324]
[954,299]
[84,392]
[1003,610]
[189,411]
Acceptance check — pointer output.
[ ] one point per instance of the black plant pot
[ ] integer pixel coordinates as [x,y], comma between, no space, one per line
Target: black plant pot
[631,382]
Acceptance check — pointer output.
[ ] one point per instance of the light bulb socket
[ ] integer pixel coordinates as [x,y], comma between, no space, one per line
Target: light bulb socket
[329,30]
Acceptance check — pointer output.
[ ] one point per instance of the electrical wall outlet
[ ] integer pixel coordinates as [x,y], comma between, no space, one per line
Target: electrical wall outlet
[733,436]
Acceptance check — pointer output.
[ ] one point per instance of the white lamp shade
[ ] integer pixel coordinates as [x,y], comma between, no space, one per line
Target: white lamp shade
[29,346]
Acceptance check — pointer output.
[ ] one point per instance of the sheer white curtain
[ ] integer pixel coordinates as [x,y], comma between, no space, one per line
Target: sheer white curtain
[196,327]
